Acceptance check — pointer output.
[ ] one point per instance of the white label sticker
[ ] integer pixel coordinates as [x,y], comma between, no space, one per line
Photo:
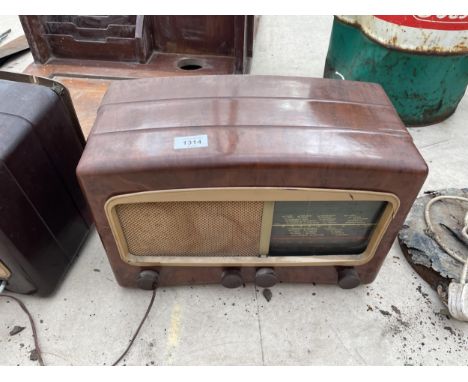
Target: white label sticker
[190,142]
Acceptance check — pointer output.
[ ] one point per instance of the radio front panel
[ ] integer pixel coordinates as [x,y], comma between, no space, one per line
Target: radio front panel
[249,226]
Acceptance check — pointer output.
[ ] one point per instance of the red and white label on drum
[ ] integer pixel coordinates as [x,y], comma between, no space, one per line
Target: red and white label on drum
[428,34]
[437,22]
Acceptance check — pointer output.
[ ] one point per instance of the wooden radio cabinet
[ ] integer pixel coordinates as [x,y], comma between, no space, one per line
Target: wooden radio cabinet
[237,179]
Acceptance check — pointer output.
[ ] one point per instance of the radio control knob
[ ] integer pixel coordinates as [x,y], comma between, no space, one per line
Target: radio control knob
[265,277]
[148,280]
[232,278]
[348,277]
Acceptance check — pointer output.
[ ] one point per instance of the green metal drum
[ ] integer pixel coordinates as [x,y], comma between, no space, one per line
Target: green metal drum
[420,61]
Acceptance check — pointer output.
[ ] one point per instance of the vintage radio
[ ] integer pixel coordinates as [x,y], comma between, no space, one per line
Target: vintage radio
[43,214]
[238,179]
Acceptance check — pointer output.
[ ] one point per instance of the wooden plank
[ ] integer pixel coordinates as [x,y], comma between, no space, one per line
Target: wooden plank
[17,45]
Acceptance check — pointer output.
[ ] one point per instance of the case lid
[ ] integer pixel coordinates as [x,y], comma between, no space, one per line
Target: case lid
[190,121]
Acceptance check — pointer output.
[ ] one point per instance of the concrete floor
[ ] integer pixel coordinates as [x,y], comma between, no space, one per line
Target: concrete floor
[394,321]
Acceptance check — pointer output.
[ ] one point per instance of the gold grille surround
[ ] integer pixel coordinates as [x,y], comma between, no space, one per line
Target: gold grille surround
[266,195]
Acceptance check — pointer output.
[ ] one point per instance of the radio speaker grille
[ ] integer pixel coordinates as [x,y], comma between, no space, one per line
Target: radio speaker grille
[225,228]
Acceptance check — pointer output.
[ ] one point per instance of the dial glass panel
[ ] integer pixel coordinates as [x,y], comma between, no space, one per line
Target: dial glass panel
[314,228]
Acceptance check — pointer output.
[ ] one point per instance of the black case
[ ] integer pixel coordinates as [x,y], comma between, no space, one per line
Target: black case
[44,219]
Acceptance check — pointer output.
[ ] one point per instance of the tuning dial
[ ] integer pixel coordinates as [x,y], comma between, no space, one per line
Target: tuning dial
[148,280]
[265,277]
[232,278]
[348,277]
